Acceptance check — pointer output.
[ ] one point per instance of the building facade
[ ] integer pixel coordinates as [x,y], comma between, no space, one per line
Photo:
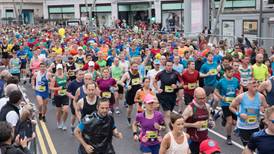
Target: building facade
[27,11]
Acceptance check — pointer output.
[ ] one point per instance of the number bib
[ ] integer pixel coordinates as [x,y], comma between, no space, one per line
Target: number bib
[62,92]
[71,73]
[192,86]
[251,119]
[169,89]
[204,126]
[229,99]
[106,94]
[135,81]
[151,134]
[41,88]
[80,65]
[213,72]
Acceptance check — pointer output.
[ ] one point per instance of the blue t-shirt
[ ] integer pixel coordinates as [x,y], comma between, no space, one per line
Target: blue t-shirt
[22,55]
[227,88]
[217,59]
[210,80]
[179,68]
[184,63]
[272,67]
[134,53]
[262,142]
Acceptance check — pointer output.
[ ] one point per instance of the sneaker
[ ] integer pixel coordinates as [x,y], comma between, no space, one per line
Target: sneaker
[40,116]
[59,126]
[64,128]
[216,115]
[109,112]
[72,130]
[129,122]
[117,111]
[44,119]
[228,141]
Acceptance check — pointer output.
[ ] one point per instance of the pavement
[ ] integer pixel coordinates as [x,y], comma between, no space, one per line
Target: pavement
[52,140]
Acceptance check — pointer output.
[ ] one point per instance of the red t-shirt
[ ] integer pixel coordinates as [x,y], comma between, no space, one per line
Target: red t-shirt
[237,75]
[191,81]
[155,51]
[96,67]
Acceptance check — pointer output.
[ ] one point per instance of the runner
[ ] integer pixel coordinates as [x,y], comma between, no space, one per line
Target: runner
[267,88]
[249,105]
[91,71]
[79,59]
[40,82]
[14,66]
[58,84]
[22,55]
[87,104]
[72,88]
[5,53]
[117,73]
[96,130]
[151,122]
[107,87]
[34,63]
[226,91]
[71,68]
[176,141]
[141,93]
[166,93]
[198,120]
[259,70]
[151,74]
[262,141]
[191,81]
[131,80]
[245,73]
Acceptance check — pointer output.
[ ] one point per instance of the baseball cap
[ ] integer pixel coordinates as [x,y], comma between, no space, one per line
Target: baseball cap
[209,146]
[156,62]
[59,66]
[149,99]
[91,63]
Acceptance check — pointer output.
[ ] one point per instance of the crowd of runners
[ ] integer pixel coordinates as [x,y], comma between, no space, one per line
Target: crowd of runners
[177,87]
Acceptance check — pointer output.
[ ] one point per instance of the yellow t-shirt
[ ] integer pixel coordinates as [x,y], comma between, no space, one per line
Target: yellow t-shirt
[260,73]
[58,51]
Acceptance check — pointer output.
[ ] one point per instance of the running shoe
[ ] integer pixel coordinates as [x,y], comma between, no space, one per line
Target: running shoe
[40,116]
[117,111]
[217,115]
[44,119]
[228,140]
[72,130]
[59,125]
[64,127]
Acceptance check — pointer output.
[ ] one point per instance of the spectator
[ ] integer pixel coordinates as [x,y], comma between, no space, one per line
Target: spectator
[9,88]
[10,111]
[6,137]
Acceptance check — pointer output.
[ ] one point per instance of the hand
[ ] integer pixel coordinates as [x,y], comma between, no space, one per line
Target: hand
[24,142]
[160,90]
[144,139]
[198,124]
[174,86]
[135,138]
[243,116]
[88,148]
[157,126]
[119,135]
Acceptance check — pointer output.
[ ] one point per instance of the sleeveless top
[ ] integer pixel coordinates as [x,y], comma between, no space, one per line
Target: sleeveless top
[176,148]
[199,114]
[61,82]
[252,109]
[82,92]
[42,83]
[88,108]
[270,94]
[135,81]
[245,75]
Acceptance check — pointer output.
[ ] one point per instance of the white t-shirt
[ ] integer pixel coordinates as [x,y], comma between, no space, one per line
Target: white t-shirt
[12,117]
[124,65]
[151,74]
[3,101]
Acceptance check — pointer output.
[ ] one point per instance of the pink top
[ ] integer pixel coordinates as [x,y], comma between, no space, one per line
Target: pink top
[35,65]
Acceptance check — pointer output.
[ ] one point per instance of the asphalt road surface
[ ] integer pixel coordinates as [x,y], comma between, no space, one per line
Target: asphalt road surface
[52,140]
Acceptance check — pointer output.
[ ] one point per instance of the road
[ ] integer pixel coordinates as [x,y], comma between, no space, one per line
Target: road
[52,140]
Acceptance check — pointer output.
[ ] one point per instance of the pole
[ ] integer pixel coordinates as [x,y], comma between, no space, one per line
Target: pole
[261,21]
[182,15]
[149,14]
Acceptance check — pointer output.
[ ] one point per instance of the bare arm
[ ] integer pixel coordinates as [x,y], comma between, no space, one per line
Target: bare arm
[247,151]
[217,93]
[79,107]
[202,75]
[186,114]
[235,103]
[165,144]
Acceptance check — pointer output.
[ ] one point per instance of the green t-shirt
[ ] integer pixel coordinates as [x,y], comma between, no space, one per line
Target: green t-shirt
[116,72]
[102,63]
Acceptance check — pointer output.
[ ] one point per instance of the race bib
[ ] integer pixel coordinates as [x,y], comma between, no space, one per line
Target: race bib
[148,67]
[229,99]
[62,92]
[135,81]
[251,119]
[151,134]
[169,89]
[23,56]
[106,94]
[41,88]
[192,86]
[204,126]
[80,65]
[213,72]
[71,73]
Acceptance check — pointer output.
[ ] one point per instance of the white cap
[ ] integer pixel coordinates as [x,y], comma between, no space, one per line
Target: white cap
[59,66]
[80,48]
[91,63]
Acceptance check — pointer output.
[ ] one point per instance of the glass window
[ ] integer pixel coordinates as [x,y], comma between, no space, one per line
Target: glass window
[250,27]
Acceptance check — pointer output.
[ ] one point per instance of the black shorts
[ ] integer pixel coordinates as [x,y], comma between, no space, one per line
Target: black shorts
[72,109]
[167,101]
[5,55]
[17,75]
[130,95]
[23,66]
[246,134]
[60,101]
[188,98]
[120,89]
[227,113]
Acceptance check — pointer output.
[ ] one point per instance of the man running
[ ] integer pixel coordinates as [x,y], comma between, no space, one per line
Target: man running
[260,70]
[40,82]
[249,105]
[267,87]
